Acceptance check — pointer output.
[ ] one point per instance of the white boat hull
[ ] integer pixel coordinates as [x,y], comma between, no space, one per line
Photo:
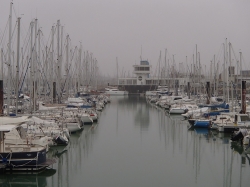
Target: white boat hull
[73,127]
[116,92]
[177,111]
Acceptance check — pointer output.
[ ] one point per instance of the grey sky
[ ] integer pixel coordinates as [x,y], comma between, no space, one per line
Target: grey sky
[120,28]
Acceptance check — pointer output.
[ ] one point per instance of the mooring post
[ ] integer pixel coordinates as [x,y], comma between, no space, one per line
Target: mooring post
[188,90]
[243,100]
[1,97]
[208,92]
[54,92]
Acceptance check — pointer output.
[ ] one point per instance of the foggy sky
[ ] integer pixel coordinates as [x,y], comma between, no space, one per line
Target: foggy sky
[128,29]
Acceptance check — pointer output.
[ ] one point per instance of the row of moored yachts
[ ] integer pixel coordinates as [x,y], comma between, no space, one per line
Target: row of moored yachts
[213,116]
[25,140]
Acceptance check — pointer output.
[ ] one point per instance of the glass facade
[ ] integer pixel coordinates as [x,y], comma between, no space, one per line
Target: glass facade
[127,81]
[142,69]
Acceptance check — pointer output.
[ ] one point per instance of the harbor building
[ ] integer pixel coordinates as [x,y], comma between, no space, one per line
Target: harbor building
[142,81]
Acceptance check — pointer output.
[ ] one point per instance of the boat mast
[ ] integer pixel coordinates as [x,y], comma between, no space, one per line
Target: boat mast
[159,72]
[67,66]
[168,77]
[199,75]
[2,62]
[117,79]
[46,72]
[31,67]
[196,70]
[165,62]
[9,62]
[230,71]
[227,70]
[224,74]
[52,65]
[17,66]
[35,66]
[39,67]
[58,61]
[79,68]
[241,77]
[60,69]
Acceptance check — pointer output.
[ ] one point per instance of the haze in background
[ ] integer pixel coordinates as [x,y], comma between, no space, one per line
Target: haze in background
[134,29]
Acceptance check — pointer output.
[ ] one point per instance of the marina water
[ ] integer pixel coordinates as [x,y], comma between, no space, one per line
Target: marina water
[136,144]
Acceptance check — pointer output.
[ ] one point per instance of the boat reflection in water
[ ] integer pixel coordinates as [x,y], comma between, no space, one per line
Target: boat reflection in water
[244,153]
[118,151]
[26,180]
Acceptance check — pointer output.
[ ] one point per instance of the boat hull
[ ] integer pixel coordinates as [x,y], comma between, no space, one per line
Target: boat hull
[73,127]
[177,111]
[116,92]
[202,124]
[24,161]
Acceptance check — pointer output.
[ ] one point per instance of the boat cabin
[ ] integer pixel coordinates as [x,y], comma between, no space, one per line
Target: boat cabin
[241,118]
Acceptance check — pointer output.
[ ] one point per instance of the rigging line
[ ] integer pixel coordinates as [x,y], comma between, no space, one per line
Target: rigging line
[50,45]
[14,9]
[243,60]
[69,68]
[23,30]
[12,39]
[48,37]
[27,68]
[219,53]
[4,32]
[24,55]
[26,38]
[1,31]
[234,53]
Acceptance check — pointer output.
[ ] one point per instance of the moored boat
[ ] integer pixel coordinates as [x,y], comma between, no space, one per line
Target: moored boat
[18,155]
[115,91]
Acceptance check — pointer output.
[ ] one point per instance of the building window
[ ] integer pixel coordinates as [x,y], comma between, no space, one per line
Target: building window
[121,82]
[141,68]
[129,82]
[148,82]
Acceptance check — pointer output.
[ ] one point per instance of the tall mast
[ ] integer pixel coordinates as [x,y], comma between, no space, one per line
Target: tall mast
[117,80]
[217,79]
[46,72]
[58,60]
[96,68]
[52,64]
[241,77]
[67,67]
[79,67]
[31,67]
[34,56]
[227,70]
[9,62]
[165,65]
[159,72]
[39,63]
[214,78]
[224,74]
[196,69]
[60,68]
[231,80]
[168,77]
[17,66]
[2,62]
[199,74]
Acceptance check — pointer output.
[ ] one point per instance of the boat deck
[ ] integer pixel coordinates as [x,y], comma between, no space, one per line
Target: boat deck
[231,127]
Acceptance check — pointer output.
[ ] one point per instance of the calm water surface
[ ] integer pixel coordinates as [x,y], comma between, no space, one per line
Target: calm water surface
[135,144]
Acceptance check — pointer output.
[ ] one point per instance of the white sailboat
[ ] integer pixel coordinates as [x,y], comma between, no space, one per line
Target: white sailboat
[115,91]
